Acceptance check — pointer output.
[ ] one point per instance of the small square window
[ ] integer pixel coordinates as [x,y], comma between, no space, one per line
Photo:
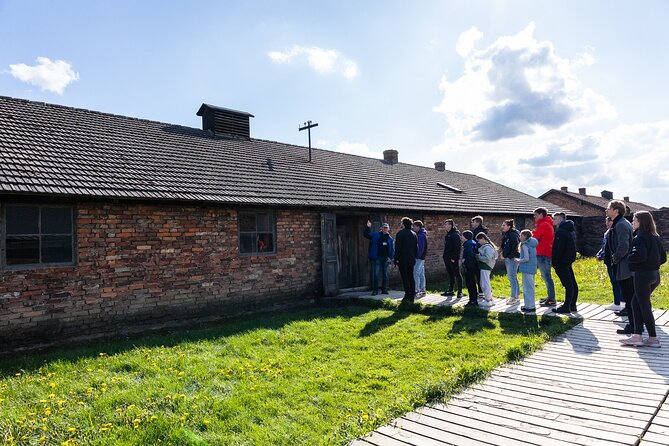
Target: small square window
[256,232]
[37,235]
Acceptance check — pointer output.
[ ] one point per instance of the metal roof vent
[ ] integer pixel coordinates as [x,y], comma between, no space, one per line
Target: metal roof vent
[449,187]
[225,121]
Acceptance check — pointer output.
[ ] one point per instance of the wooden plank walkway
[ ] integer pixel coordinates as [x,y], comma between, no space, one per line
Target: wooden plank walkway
[585,311]
[583,388]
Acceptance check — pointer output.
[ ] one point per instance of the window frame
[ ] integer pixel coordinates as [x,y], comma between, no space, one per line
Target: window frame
[41,265]
[272,226]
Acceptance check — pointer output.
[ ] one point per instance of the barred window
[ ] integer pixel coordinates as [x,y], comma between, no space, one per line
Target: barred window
[38,235]
[257,232]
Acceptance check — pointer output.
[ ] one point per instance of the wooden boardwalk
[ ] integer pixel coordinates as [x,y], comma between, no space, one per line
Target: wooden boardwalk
[585,311]
[583,388]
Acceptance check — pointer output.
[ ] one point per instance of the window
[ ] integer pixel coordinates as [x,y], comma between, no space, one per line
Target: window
[36,235]
[256,232]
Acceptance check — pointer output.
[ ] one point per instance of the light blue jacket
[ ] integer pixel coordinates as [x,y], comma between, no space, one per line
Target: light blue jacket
[528,256]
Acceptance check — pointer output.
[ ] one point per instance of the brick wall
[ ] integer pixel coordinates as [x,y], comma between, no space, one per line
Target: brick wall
[434,224]
[142,264]
[568,202]
[590,231]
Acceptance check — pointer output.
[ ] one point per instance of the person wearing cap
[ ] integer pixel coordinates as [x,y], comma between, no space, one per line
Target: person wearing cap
[380,253]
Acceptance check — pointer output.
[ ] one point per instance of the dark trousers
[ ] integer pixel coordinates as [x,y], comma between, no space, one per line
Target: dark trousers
[644,284]
[454,277]
[566,275]
[627,290]
[470,279]
[408,281]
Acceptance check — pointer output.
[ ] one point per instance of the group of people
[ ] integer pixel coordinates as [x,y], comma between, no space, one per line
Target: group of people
[632,253]
[407,251]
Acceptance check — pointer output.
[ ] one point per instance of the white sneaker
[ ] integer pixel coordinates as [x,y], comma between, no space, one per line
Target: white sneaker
[614,307]
[512,300]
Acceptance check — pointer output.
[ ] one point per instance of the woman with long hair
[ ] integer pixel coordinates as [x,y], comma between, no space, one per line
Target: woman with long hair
[644,260]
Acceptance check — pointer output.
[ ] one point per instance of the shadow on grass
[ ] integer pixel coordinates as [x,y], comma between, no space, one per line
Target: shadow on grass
[29,362]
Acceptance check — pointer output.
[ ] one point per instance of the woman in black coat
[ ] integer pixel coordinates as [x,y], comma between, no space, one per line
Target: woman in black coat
[644,260]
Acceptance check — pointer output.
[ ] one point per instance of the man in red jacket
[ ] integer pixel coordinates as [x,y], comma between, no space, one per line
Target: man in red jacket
[545,234]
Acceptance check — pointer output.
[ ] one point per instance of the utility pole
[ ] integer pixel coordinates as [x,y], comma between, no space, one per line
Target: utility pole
[307,126]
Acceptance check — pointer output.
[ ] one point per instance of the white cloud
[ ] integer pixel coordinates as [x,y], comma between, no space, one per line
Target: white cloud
[516,86]
[518,114]
[321,60]
[46,74]
[466,41]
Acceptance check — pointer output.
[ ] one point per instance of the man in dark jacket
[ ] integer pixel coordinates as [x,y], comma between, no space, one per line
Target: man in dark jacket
[406,248]
[470,266]
[563,256]
[510,243]
[451,256]
[620,239]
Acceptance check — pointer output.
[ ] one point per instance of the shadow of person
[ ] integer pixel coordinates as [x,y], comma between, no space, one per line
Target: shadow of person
[582,340]
[380,323]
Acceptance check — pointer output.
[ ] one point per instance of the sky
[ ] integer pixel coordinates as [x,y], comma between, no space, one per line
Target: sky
[534,95]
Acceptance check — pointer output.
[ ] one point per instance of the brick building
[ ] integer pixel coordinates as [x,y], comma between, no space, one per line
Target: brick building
[589,205]
[111,224]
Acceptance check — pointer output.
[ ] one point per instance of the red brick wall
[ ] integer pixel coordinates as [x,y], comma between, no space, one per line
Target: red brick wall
[436,231]
[567,202]
[140,264]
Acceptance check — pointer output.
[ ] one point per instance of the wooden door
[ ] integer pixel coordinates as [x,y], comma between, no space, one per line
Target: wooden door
[329,247]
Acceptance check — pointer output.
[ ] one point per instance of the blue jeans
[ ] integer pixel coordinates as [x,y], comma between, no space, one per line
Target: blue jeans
[544,263]
[419,275]
[617,292]
[528,290]
[512,274]
[380,274]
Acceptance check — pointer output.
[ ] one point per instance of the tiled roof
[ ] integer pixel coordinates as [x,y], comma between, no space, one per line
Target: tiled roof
[52,149]
[599,201]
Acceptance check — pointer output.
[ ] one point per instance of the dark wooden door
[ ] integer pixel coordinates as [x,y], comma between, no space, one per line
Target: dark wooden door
[329,247]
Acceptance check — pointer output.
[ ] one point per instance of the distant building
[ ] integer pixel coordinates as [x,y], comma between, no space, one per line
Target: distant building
[589,205]
[111,224]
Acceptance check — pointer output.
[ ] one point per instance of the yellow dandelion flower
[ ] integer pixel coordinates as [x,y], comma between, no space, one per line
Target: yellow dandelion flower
[154,417]
[71,429]
[136,420]
[42,439]
[17,374]
[52,395]
[52,384]
[205,421]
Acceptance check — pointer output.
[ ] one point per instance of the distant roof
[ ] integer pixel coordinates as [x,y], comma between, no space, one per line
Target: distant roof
[58,150]
[601,202]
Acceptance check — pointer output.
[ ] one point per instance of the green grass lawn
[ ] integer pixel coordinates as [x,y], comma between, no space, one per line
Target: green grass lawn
[593,284]
[322,375]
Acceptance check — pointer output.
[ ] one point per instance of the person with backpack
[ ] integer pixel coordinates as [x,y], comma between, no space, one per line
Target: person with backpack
[563,257]
[644,261]
[486,257]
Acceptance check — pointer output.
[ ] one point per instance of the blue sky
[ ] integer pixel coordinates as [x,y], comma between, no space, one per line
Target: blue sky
[532,94]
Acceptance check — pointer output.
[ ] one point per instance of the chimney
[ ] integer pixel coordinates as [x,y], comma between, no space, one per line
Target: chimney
[440,166]
[626,198]
[390,156]
[607,194]
[581,190]
[564,189]
[224,121]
